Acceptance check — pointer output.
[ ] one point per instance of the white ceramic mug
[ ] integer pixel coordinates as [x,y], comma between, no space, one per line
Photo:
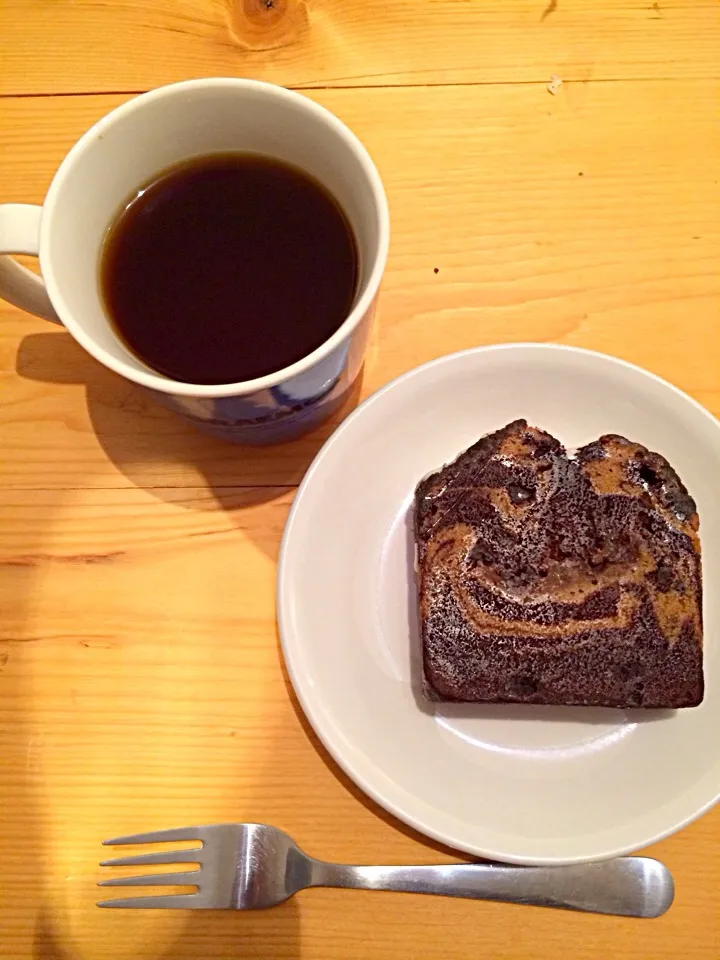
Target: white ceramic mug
[127,148]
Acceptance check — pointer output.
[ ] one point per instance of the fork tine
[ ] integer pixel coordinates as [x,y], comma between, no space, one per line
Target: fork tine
[164,856]
[158,836]
[178,901]
[154,880]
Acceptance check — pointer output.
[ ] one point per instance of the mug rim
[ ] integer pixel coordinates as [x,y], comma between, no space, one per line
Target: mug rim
[156,381]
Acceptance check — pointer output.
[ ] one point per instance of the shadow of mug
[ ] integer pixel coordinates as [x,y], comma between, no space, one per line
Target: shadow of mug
[153,448]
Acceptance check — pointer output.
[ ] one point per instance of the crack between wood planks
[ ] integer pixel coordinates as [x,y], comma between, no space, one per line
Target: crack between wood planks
[394,85]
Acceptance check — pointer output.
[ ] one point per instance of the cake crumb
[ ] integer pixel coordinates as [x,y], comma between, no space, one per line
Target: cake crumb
[555,84]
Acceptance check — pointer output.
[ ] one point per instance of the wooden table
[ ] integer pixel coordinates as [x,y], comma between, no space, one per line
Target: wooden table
[141,684]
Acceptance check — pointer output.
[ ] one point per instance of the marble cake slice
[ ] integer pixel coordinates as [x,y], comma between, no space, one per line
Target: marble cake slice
[551,579]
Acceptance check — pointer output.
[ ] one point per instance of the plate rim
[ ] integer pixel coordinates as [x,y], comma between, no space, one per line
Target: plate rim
[452,841]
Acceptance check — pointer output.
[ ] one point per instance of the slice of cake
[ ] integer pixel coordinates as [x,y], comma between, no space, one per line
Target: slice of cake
[549,579]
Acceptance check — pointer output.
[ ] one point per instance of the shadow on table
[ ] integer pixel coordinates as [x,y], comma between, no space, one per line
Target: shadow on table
[152,447]
[207,934]
[158,452]
[272,934]
[23,841]
[155,450]
[46,945]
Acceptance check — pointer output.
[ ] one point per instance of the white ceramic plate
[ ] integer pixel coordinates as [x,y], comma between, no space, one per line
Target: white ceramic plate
[526,784]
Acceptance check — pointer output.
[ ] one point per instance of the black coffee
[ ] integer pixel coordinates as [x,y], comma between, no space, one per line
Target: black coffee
[228,267]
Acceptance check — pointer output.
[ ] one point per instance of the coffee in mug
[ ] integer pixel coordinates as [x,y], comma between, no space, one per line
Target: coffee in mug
[228,267]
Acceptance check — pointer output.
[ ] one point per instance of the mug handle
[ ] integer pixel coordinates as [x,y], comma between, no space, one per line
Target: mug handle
[19,233]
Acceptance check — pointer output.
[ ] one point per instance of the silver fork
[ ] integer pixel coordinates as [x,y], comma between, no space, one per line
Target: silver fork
[247,866]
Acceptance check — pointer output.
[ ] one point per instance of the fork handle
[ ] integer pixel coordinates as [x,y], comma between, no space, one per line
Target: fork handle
[627,886]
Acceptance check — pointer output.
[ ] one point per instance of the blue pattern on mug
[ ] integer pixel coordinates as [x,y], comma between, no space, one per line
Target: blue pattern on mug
[282,412]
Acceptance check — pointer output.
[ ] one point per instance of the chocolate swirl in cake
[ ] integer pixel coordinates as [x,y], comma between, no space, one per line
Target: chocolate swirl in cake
[547,579]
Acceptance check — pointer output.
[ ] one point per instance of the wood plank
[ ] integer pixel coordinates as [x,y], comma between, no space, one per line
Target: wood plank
[138,44]
[141,683]
[588,218]
[141,686]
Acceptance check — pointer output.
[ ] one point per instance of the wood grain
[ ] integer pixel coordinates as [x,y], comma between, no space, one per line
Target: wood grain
[141,683]
[141,686]
[137,44]
[584,218]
